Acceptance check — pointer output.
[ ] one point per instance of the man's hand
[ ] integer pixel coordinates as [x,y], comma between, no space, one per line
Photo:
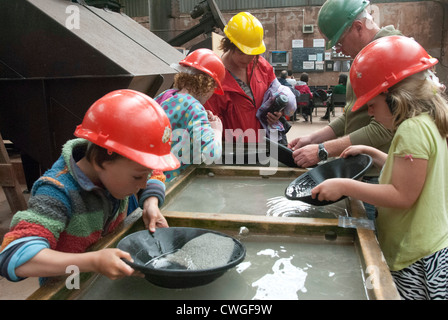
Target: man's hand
[306,156]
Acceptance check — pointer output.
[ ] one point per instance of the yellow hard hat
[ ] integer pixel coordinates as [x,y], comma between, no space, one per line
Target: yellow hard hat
[246,32]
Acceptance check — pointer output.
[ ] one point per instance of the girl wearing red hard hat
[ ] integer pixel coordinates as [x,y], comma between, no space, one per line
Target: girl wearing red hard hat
[197,133]
[393,76]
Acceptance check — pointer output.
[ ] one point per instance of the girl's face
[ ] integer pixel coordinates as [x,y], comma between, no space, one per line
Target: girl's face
[203,99]
[378,108]
[123,177]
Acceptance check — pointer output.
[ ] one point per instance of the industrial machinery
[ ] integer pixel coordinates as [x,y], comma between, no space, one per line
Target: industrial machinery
[211,19]
[59,56]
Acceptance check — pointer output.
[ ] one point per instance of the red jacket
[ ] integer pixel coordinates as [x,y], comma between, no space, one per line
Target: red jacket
[303,88]
[236,109]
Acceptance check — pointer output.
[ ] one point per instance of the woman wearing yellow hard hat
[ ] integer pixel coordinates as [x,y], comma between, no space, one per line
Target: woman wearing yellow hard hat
[248,77]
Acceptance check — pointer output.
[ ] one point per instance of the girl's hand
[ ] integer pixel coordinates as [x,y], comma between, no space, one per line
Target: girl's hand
[210,115]
[352,151]
[215,123]
[378,157]
[329,190]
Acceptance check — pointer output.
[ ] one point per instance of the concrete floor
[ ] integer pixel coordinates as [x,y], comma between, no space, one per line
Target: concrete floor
[21,290]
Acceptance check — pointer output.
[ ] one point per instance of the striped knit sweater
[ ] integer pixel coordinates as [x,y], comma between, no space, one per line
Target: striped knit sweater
[66,210]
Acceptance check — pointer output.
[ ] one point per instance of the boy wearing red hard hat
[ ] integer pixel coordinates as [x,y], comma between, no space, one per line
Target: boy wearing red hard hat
[124,136]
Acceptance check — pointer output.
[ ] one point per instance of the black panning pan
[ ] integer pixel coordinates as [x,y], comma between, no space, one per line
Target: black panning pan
[151,253]
[283,154]
[351,167]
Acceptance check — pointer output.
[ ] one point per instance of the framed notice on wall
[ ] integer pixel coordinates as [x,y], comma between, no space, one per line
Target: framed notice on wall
[308,59]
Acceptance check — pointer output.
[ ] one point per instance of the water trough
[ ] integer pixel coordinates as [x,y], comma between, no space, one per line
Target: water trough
[321,259]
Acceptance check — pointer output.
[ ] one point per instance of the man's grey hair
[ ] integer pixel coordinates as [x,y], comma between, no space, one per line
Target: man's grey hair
[284,74]
[364,14]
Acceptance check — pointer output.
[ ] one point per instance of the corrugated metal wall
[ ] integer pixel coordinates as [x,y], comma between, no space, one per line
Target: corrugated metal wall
[230,5]
[135,8]
[139,8]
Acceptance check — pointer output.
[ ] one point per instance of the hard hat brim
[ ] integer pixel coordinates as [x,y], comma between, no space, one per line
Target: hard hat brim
[164,162]
[250,51]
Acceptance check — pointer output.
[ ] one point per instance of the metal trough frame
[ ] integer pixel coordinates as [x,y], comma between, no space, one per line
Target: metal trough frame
[364,240]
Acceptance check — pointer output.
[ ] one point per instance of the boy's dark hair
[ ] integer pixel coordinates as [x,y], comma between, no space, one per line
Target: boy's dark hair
[304,77]
[99,155]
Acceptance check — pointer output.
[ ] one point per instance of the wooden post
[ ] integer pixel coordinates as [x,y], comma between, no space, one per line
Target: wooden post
[9,182]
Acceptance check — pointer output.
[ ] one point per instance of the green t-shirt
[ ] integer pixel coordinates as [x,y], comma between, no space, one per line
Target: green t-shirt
[339,89]
[407,235]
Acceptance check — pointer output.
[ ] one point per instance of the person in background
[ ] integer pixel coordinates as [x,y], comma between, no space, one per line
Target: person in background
[412,194]
[349,36]
[248,77]
[197,133]
[340,88]
[302,88]
[291,80]
[283,79]
[124,136]
[286,79]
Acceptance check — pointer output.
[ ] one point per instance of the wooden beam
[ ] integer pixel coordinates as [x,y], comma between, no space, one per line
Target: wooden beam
[9,182]
[379,282]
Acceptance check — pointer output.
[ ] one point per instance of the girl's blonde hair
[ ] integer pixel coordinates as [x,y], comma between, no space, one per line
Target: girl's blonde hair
[416,95]
[197,84]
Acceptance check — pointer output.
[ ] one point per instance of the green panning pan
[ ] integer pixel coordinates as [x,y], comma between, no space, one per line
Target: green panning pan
[351,167]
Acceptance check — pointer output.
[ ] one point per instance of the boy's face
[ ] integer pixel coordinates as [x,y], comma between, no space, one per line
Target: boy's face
[123,177]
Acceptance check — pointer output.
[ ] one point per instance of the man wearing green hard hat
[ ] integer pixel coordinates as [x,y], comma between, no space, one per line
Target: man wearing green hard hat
[335,17]
[348,26]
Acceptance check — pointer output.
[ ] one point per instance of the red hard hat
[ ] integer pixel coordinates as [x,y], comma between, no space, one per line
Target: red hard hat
[208,62]
[133,125]
[385,62]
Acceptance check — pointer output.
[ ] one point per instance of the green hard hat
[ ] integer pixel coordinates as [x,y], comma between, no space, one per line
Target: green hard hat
[336,15]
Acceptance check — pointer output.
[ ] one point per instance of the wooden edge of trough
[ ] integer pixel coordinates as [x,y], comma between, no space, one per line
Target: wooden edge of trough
[379,282]
[257,224]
